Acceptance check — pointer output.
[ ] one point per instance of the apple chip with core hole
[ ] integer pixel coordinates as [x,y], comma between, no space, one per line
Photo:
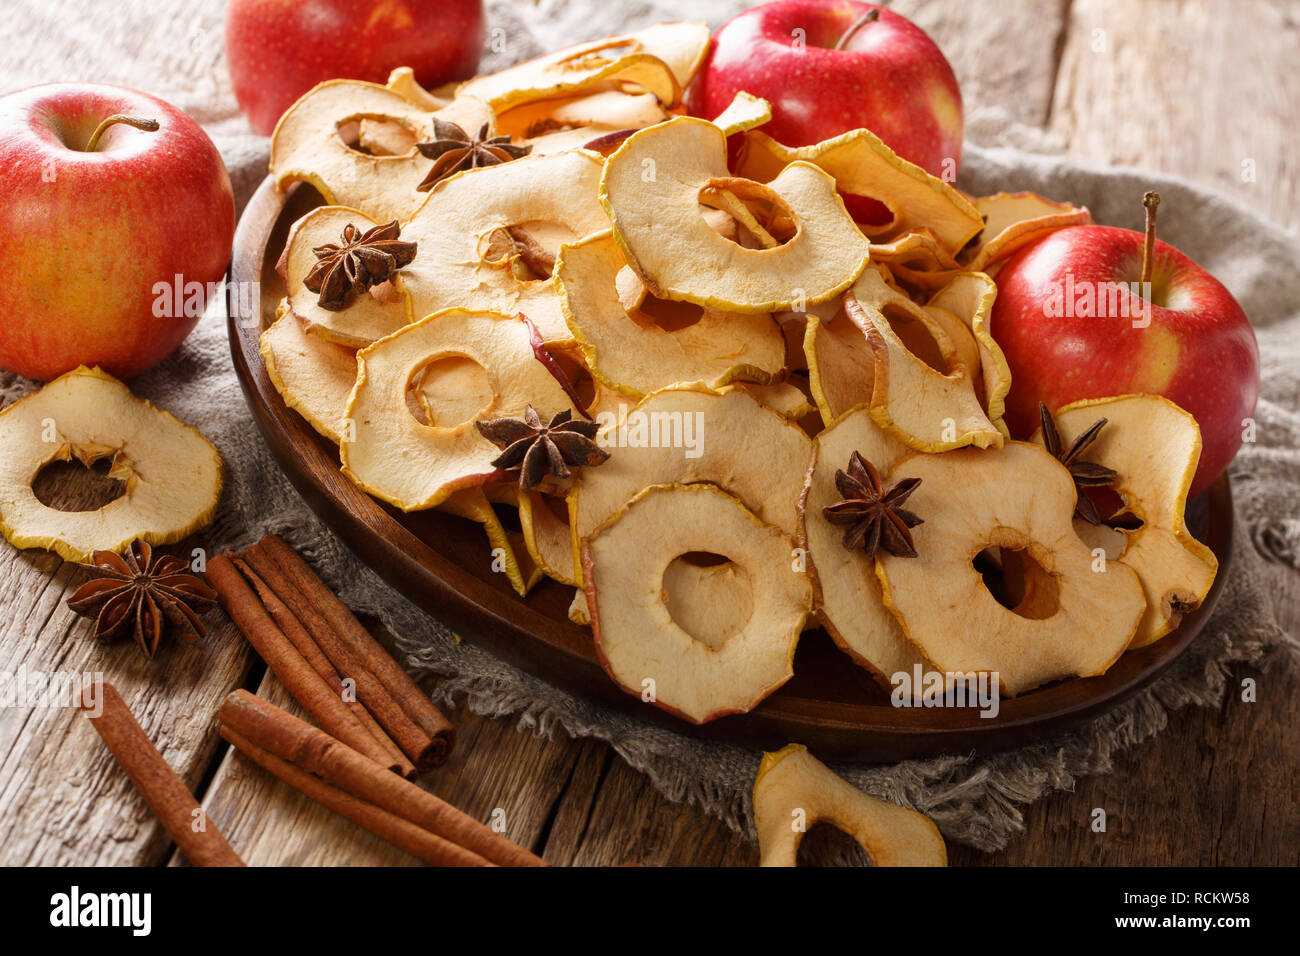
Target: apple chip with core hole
[844,582]
[921,392]
[653,188]
[694,434]
[1154,447]
[637,344]
[172,474]
[371,315]
[793,790]
[488,238]
[1015,220]
[313,376]
[1075,620]
[650,653]
[319,141]
[864,166]
[969,297]
[413,464]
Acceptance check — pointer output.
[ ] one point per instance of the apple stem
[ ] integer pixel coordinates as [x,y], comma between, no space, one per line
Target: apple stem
[871,16]
[148,125]
[1151,200]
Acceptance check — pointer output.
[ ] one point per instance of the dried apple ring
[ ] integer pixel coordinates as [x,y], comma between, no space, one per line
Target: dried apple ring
[969,296]
[172,474]
[413,465]
[921,393]
[793,790]
[864,166]
[308,145]
[1015,220]
[1154,447]
[639,643]
[312,375]
[1021,499]
[653,187]
[638,345]
[845,587]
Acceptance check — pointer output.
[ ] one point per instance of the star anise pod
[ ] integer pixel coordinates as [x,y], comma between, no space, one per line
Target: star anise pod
[874,514]
[538,450]
[132,592]
[1085,473]
[363,260]
[453,150]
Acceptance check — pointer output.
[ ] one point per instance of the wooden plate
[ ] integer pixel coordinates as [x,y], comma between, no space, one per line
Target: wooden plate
[442,563]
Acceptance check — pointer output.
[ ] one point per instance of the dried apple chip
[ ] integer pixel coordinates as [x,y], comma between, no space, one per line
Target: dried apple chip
[1018,499]
[1154,447]
[793,790]
[969,296]
[508,550]
[545,522]
[312,375]
[745,111]
[412,465]
[864,166]
[645,649]
[172,474]
[653,188]
[612,63]
[1015,220]
[638,344]
[847,593]
[921,393]
[309,145]
[841,364]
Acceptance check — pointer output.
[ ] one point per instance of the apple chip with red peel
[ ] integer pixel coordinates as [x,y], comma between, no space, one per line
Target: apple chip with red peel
[969,296]
[172,474]
[640,643]
[695,434]
[368,316]
[864,166]
[1154,447]
[1015,220]
[793,790]
[653,188]
[846,592]
[312,375]
[412,464]
[921,392]
[638,344]
[317,142]
[1079,619]
[488,238]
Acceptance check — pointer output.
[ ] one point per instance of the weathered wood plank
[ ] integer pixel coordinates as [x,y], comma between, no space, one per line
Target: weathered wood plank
[1202,88]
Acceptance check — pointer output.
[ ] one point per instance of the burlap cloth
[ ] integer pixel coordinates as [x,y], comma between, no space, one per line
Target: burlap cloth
[174,49]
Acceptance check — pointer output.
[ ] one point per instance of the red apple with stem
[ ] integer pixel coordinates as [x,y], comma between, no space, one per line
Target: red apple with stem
[829,67]
[111,199]
[1076,322]
[280,49]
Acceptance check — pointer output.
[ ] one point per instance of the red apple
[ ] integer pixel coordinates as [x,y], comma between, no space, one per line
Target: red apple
[1073,327]
[280,49]
[826,70]
[102,220]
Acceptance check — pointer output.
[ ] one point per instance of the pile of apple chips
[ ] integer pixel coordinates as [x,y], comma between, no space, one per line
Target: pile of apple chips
[556,244]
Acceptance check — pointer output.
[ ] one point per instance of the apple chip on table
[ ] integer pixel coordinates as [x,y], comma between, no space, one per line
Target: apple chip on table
[723,409]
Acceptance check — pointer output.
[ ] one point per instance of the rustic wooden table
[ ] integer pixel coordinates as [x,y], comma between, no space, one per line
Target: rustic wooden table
[1203,89]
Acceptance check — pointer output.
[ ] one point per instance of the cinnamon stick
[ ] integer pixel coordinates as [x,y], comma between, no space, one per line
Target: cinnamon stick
[415,840]
[298,743]
[338,631]
[163,791]
[318,698]
[311,652]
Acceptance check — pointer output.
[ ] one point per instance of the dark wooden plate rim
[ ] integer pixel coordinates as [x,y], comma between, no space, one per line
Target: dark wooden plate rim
[534,634]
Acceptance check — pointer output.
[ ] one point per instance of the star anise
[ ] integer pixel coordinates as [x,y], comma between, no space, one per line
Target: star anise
[133,592]
[538,450]
[363,260]
[874,514]
[1085,473]
[453,150]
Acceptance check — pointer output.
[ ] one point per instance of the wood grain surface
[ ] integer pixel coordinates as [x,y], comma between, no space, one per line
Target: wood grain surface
[1194,88]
